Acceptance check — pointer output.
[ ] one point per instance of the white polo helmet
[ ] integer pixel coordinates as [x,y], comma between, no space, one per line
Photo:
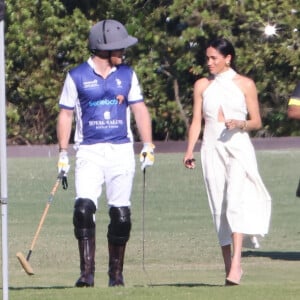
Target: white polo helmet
[110,35]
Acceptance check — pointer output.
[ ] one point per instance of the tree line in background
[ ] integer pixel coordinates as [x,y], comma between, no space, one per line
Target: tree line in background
[44,39]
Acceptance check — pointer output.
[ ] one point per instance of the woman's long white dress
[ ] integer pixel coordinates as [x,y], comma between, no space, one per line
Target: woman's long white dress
[238,199]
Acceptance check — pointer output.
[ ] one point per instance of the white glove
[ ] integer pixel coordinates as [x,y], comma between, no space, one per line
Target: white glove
[147,155]
[63,162]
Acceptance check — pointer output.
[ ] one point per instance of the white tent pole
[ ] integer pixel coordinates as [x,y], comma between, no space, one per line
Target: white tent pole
[3,158]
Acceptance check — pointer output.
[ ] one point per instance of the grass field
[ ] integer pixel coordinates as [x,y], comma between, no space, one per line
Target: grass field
[182,257]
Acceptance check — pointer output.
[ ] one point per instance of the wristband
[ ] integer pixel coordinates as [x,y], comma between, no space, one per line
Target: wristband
[152,146]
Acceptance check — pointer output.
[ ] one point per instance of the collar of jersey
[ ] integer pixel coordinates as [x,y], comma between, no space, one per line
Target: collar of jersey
[91,63]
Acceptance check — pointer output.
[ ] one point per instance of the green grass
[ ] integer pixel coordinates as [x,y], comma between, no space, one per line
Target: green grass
[182,256]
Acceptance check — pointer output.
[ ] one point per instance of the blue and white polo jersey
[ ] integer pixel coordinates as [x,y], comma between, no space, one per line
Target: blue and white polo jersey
[100,118]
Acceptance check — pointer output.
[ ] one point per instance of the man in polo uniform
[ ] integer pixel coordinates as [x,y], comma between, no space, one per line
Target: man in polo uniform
[101,92]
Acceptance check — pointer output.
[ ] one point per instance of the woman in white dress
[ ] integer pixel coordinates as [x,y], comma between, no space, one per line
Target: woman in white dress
[239,202]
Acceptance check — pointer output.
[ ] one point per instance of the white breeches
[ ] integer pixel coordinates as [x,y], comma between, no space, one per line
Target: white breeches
[112,164]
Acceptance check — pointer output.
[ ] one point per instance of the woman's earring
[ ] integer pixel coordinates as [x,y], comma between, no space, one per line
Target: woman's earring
[227,63]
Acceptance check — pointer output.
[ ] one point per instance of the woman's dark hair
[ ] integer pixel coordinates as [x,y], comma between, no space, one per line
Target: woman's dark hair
[224,47]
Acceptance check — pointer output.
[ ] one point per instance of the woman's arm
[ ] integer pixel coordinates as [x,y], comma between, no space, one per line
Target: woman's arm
[195,127]
[253,122]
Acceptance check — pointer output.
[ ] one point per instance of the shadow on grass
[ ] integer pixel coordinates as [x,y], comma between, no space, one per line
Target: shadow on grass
[40,288]
[293,256]
[191,285]
[185,285]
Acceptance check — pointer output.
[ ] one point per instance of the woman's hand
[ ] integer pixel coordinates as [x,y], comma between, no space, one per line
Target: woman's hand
[189,162]
[232,124]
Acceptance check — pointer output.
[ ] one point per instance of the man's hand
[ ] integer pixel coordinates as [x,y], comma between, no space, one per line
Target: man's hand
[147,155]
[63,166]
[63,162]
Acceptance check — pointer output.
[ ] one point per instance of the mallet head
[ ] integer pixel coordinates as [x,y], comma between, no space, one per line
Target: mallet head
[25,264]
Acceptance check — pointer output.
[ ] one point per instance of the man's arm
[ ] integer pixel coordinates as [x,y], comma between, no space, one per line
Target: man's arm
[64,127]
[143,121]
[293,111]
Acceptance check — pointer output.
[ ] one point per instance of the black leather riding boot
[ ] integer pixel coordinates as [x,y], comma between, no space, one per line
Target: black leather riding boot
[87,262]
[115,267]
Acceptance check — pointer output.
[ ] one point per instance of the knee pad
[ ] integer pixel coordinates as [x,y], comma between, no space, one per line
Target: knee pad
[120,225]
[83,218]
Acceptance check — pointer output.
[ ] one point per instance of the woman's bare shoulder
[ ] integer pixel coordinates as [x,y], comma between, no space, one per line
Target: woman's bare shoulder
[203,83]
[244,82]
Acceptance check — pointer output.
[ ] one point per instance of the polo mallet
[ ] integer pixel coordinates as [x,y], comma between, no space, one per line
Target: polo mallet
[143,218]
[25,261]
[143,221]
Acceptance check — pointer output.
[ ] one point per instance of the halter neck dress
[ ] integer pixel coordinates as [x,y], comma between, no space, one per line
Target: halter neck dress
[238,199]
